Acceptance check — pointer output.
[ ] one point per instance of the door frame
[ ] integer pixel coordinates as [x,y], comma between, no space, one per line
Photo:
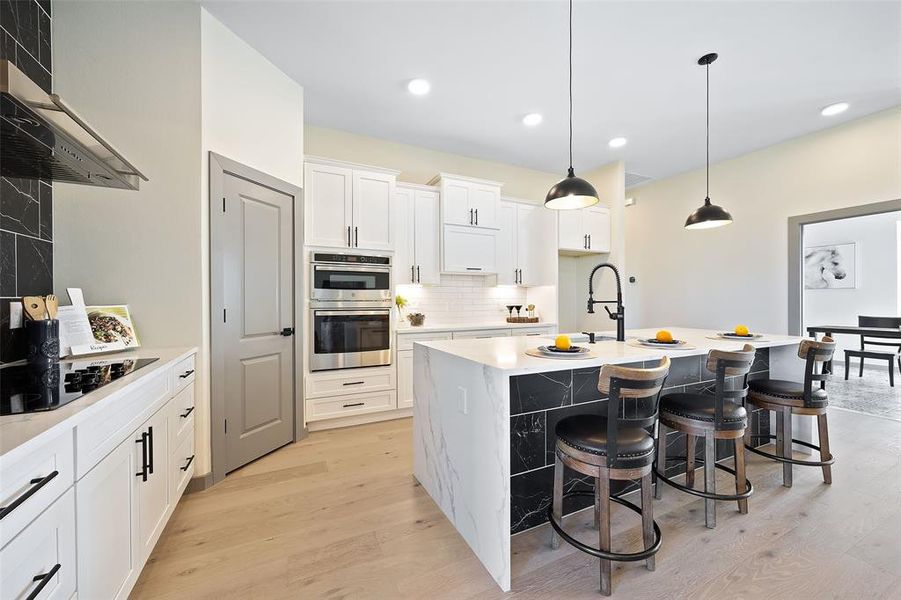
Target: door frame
[796,245]
[220,166]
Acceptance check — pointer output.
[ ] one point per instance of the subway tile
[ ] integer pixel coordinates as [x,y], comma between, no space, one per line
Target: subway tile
[34,266]
[20,205]
[540,391]
[527,442]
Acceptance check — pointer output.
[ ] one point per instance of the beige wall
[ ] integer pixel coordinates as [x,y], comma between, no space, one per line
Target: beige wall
[719,277]
[133,71]
[419,165]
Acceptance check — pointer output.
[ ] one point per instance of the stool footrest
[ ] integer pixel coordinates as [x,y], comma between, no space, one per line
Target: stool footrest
[749,487]
[606,555]
[785,459]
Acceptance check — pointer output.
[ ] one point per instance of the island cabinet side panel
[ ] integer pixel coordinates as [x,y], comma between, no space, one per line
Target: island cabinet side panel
[461,450]
[538,401]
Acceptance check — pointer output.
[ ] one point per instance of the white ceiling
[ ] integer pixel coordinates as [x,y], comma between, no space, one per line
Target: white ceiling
[635,73]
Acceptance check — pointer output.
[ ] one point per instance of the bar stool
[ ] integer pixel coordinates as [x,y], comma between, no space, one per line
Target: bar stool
[616,446]
[789,398]
[716,417]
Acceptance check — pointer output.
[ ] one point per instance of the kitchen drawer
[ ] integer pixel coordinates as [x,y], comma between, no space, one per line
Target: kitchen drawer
[98,436]
[405,341]
[45,547]
[351,381]
[534,332]
[182,467]
[181,416]
[34,481]
[477,334]
[183,374]
[355,404]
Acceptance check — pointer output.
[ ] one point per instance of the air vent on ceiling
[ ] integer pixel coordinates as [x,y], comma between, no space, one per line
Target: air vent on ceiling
[633,179]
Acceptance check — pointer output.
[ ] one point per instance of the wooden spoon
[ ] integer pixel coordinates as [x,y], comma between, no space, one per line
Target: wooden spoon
[35,307]
[52,305]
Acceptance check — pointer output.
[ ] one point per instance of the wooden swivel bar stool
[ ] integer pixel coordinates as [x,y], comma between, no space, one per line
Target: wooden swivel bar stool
[789,398]
[717,417]
[616,446]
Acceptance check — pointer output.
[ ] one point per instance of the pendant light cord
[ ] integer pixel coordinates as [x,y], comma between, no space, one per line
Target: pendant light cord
[708,132]
[570,85]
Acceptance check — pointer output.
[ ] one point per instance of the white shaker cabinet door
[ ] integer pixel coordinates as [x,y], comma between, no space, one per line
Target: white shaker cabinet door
[153,494]
[106,517]
[484,201]
[572,231]
[536,245]
[404,236]
[405,379]
[329,198]
[598,229]
[507,260]
[470,250]
[455,202]
[427,233]
[373,195]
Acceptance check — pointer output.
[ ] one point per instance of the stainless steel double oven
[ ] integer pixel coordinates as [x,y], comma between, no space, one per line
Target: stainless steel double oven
[350,311]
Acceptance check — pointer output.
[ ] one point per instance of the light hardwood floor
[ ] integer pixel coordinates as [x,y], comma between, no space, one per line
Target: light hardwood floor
[339,515]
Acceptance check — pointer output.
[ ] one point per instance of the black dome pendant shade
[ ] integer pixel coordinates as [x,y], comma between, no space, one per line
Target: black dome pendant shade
[571,192]
[709,215]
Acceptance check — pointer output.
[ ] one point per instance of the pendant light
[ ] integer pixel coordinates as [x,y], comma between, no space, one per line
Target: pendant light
[709,215]
[571,191]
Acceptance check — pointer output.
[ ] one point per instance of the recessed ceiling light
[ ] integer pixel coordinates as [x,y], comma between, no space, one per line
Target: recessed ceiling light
[834,109]
[532,119]
[617,142]
[419,87]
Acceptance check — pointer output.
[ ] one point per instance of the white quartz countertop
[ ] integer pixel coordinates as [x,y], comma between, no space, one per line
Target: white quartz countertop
[18,432]
[438,327]
[509,353]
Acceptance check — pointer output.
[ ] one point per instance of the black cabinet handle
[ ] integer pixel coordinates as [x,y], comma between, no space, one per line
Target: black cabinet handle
[187,464]
[589,241]
[44,578]
[287,332]
[418,276]
[187,413]
[354,404]
[477,216]
[473,268]
[186,374]
[470,217]
[412,274]
[348,236]
[150,450]
[143,441]
[356,237]
[36,484]
[354,383]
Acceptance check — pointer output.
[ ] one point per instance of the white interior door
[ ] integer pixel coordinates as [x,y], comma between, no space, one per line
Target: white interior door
[373,194]
[254,333]
[330,206]
[426,228]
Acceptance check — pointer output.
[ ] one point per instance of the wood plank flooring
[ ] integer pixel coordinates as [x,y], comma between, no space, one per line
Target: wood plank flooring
[338,515]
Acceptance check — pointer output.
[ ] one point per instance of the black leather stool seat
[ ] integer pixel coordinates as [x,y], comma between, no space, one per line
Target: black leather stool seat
[787,393]
[699,407]
[588,433]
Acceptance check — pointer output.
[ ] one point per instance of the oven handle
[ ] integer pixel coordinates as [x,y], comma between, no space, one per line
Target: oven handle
[364,268]
[350,312]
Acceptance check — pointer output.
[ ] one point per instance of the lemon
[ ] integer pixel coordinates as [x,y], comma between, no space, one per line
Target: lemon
[741,330]
[664,336]
[562,342]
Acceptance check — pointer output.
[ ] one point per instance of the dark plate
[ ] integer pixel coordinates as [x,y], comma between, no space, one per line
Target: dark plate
[656,341]
[571,350]
[731,334]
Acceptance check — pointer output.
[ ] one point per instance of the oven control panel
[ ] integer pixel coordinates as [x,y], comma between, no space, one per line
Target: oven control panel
[354,259]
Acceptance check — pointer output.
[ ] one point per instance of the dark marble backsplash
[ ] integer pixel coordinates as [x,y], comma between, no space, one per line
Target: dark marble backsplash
[538,401]
[26,205]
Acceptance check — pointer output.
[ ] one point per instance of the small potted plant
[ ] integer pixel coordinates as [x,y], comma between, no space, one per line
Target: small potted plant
[400,303]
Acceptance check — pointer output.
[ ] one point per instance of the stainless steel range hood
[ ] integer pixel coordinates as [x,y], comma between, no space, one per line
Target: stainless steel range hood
[42,137]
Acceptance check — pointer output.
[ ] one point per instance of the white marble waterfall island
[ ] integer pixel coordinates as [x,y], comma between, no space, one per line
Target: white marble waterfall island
[484,417]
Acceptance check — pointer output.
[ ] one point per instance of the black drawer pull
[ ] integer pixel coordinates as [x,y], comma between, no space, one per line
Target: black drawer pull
[473,268]
[36,484]
[44,578]
[143,441]
[186,413]
[186,374]
[354,404]
[150,451]
[187,464]
[354,383]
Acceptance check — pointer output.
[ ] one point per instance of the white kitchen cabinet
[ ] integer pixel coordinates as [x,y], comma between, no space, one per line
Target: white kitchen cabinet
[348,206]
[542,331]
[468,202]
[417,256]
[42,556]
[527,253]
[470,250]
[479,334]
[584,231]
[152,494]
[405,379]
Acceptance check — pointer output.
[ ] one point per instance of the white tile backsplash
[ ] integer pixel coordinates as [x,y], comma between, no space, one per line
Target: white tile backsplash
[463,299]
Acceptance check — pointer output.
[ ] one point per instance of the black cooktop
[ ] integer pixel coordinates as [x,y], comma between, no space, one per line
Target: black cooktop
[29,388]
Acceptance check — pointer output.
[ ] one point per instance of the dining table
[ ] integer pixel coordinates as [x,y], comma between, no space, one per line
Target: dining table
[871,332]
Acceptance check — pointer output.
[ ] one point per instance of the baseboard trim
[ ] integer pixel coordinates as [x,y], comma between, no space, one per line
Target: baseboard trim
[359,419]
[199,483]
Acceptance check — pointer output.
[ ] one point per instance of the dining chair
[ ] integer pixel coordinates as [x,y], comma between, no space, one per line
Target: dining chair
[891,357]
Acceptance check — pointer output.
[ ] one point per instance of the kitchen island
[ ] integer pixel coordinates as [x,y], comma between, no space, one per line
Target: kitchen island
[485,411]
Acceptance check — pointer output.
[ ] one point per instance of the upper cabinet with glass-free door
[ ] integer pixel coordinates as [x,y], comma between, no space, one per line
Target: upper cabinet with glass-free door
[467,201]
[527,250]
[584,231]
[348,206]
[416,226]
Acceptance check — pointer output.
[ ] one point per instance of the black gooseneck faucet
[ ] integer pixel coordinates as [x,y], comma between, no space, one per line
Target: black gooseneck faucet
[619,315]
